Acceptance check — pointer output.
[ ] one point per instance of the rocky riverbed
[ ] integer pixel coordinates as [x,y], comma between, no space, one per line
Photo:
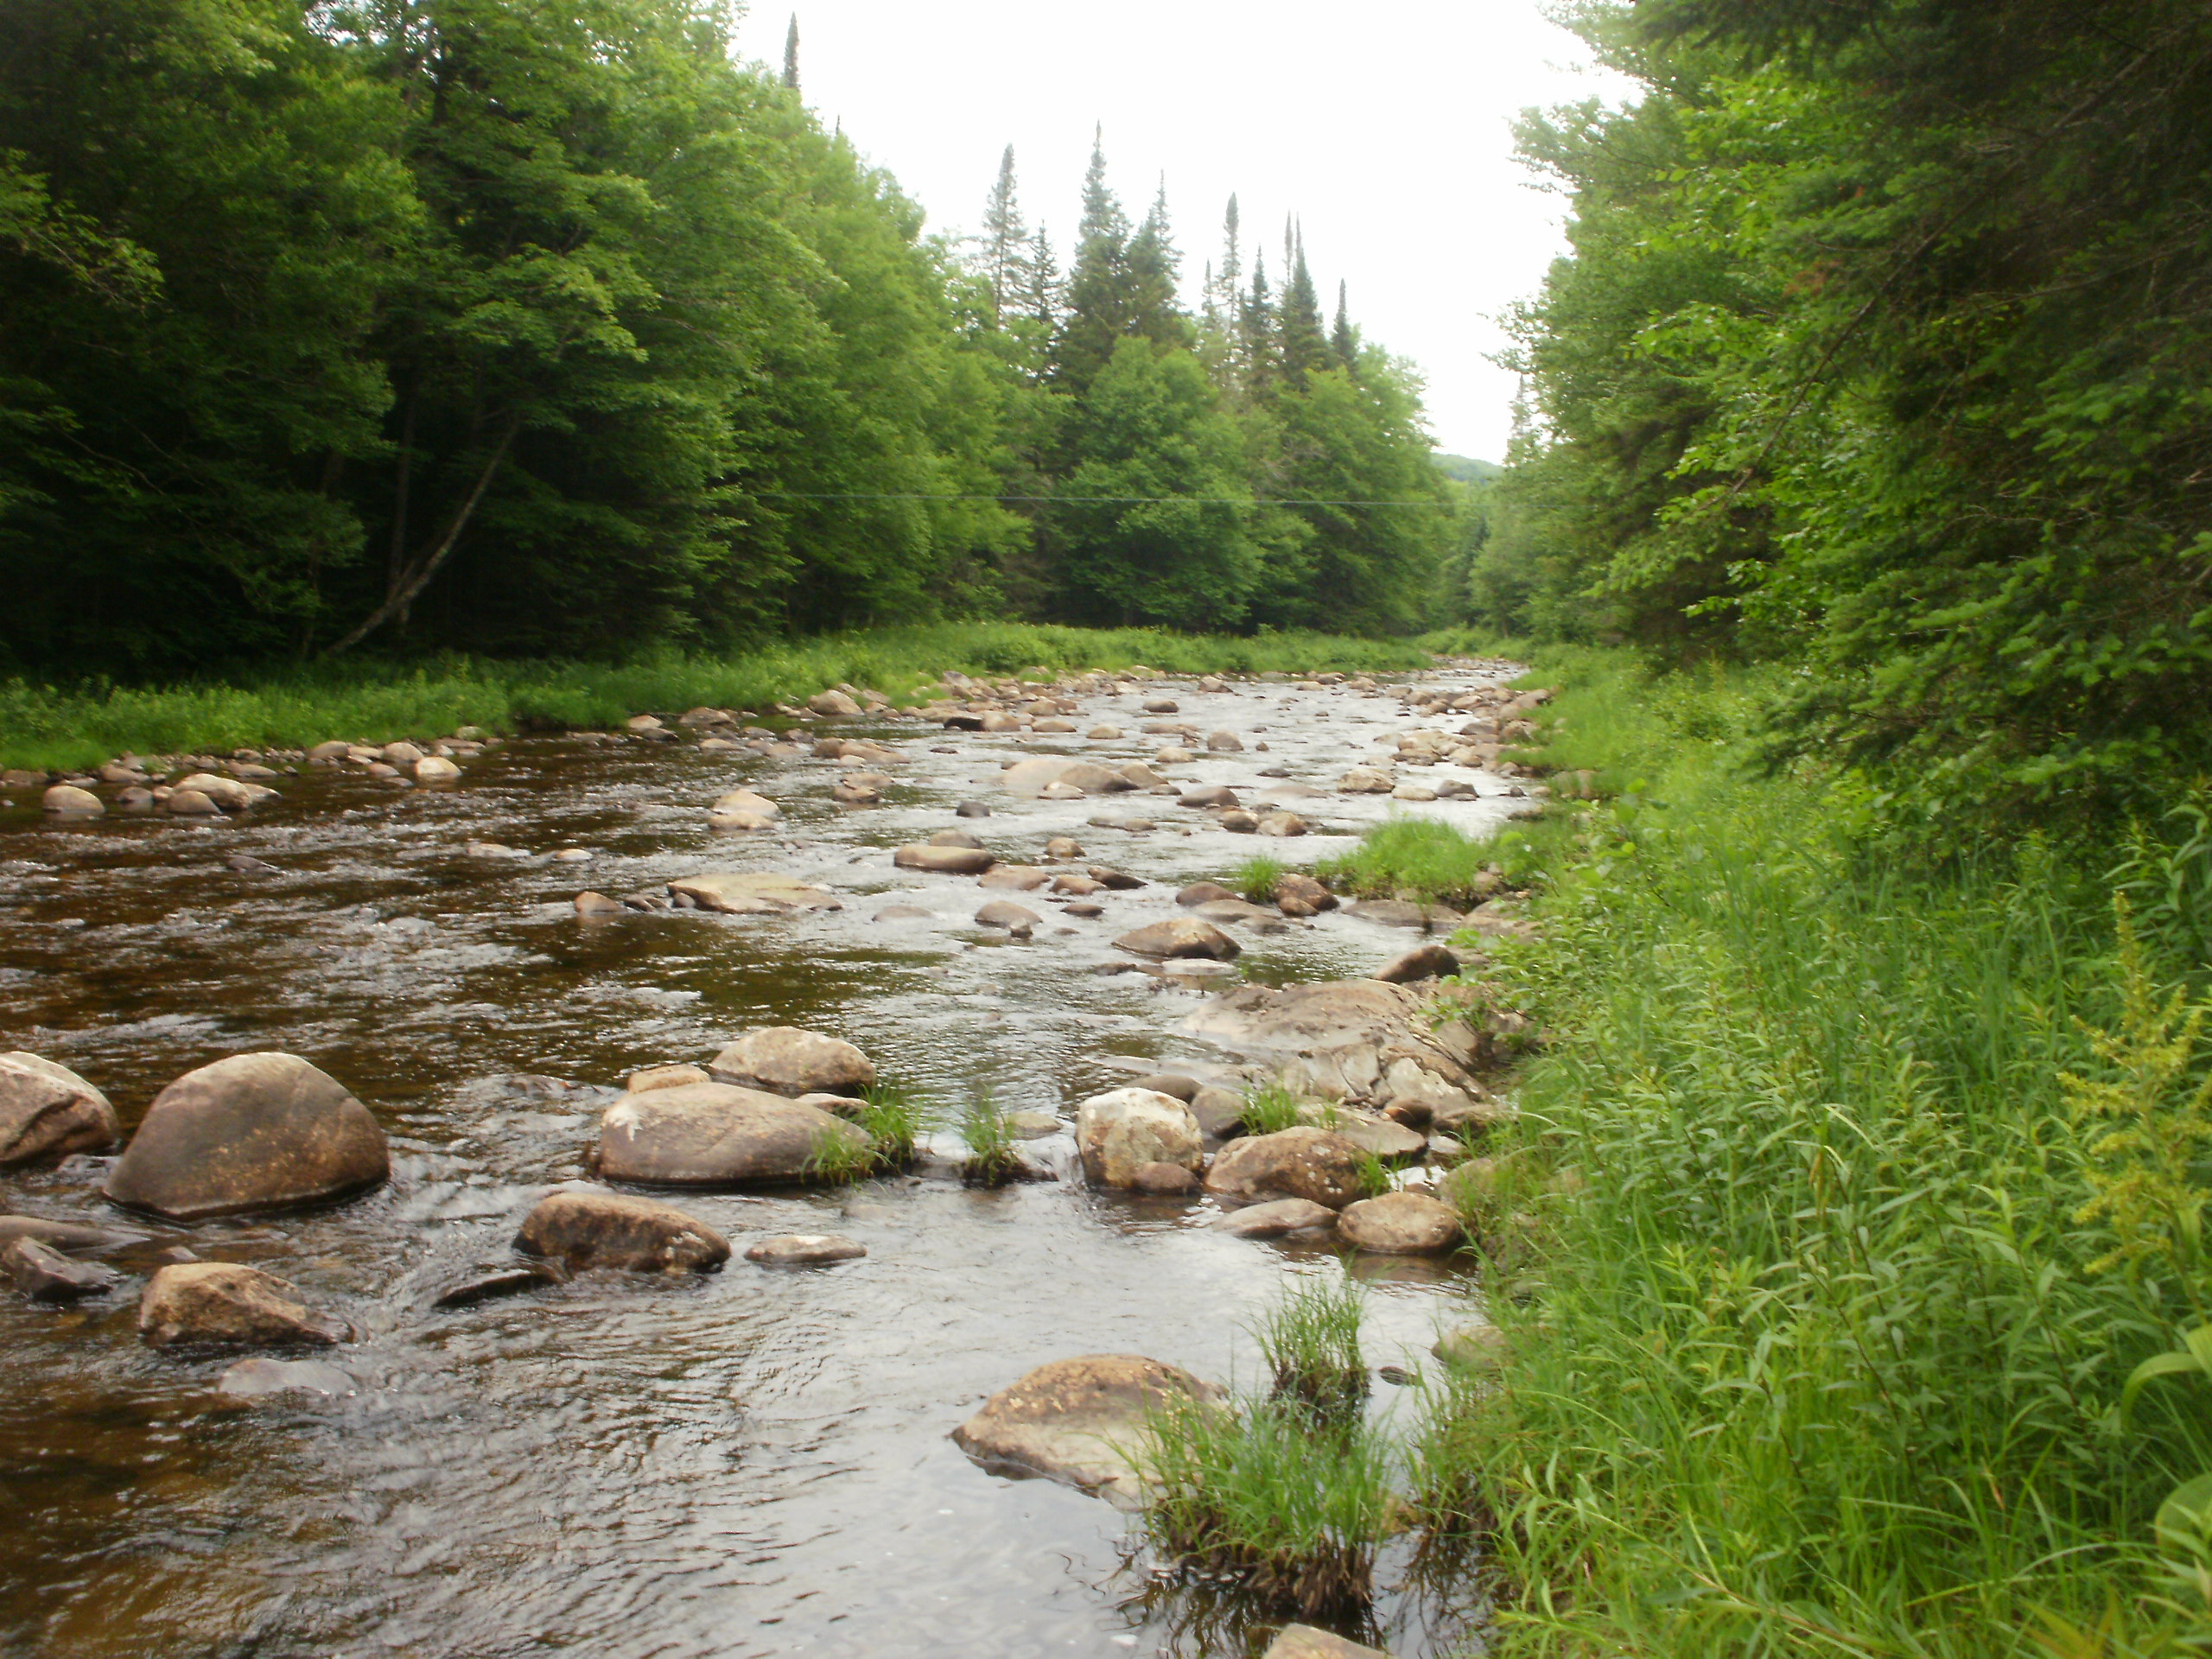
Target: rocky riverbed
[730,1433]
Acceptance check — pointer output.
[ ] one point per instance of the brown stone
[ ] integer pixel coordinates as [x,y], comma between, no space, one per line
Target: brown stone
[1076,1421]
[605,1229]
[48,1111]
[1184,936]
[1422,962]
[945,860]
[785,1060]
[753,893]
[1277,1218]
[1294,1163]
[1400,1223]
[715,1134]
[248,1132]
[223,1303]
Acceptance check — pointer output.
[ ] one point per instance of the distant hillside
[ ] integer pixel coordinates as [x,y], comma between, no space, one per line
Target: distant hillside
[1468,470]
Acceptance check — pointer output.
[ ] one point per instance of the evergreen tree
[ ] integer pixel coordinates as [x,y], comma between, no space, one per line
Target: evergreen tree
[1006,240]
[1255,331]
[1300,341]
[790,53]
[1098,299]
[1153,269]
[1344,339]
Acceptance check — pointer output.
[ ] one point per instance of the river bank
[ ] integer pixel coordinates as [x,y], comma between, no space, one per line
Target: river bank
[1852,1189]
[62,730]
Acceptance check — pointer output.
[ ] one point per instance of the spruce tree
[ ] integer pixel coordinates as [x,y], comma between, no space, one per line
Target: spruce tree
[1304,345]
[1098,286]
[1344,341]
[1006,240]
[1255,329]
[1154,268]
[790,53]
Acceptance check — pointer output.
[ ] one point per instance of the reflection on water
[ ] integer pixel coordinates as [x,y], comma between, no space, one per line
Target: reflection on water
[741,1464]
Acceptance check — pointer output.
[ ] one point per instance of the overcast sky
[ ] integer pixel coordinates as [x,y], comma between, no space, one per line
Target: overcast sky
[1384,126]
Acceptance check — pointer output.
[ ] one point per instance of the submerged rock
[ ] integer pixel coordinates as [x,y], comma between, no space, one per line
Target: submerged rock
[1120,1132]
[605,1230]
[716,1134]
[805,1250]
[258,1378]
[63,1234]
[44,1274]
[249,1133]
[1295,1163]
[489,1286]
[225,1303]
[1277,1218]
[47,1111]
[1075,1421]
[785,1060]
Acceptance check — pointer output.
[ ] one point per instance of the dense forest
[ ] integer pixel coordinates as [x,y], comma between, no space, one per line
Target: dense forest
[409,325]
[1885,347]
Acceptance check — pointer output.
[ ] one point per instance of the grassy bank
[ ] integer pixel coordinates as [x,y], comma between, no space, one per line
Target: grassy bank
[46,726]
[1844,1203]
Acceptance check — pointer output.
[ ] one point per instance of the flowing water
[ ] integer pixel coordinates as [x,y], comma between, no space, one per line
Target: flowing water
[737,1464]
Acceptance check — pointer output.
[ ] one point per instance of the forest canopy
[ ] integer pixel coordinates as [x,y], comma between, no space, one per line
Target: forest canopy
[527,329]
[1884,347]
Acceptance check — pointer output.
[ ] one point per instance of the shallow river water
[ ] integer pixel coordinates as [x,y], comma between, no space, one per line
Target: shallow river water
[743,1463]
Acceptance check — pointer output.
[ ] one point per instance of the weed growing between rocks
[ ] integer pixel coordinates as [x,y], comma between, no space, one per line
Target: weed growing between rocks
[1290,1506]
[1270,1108]
[1256,879]
[989,1138]
[1310,1339]
[895,1121]
[1423,860]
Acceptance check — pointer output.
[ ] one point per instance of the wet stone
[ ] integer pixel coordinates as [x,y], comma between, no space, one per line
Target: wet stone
[44,1274]
[492,1283]
[259,1378]
[805,1250]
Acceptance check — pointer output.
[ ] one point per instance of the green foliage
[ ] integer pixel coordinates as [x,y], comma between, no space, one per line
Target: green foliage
[1256,879]
[1293,1507]
[1424,859]
[1270,1108]
[1846,369]
[1817,1357]
[984,1130]
[1310,1339]
[895,1120]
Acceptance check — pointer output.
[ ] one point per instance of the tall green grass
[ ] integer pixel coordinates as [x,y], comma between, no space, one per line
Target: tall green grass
[1824,1347]
[62,727]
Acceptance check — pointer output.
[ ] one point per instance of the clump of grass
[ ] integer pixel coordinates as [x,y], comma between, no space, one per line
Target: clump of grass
[1310,1339]
[836,1159]
[895,1120]
[1270,1108]
[1258,1492]
[1428,859]
[992,1160]
[1256,879]
[1374,1175]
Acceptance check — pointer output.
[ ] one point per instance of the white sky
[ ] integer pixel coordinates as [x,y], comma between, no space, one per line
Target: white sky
[1384,126]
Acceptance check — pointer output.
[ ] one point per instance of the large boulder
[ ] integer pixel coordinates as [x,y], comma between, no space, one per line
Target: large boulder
[753,893]
[1183,936]
[224,1303]
[248,1132]
[1400,1223]
[1356,1040]
[715,1134]
[1120,1132]
[1076,1421]
[67,801]
[1422,962]
[833,703]
[785,1060]
[47,1111]
[1294,1163]
[605,1229]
